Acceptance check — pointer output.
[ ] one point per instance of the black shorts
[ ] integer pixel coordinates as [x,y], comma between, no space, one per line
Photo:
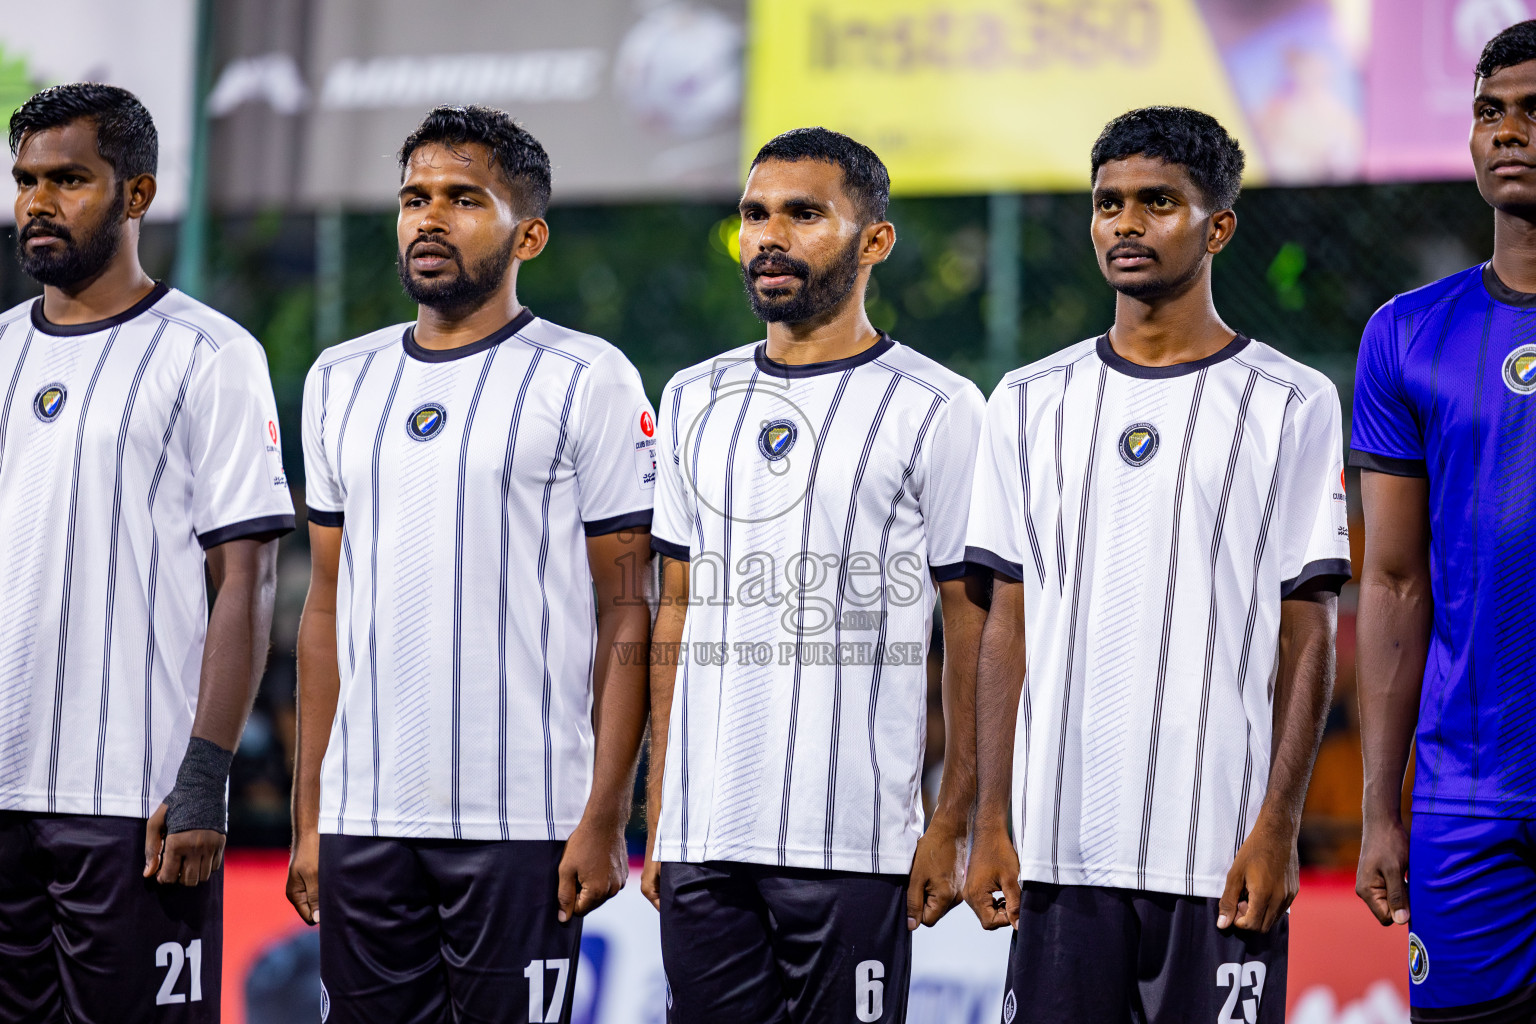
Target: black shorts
[84,937]
[1084,953]
[751,944]
[419,930]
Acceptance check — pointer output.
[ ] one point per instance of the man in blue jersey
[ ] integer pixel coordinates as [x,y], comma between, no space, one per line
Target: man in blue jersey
[1445,405]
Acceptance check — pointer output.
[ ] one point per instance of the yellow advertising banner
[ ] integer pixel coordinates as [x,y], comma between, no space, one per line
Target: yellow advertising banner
[966,96]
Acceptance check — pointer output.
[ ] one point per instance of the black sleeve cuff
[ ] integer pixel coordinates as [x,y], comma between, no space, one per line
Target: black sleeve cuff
[1323,574]
[320,517]
[1387,464]
[955,571]
[613,524]
[982,557]
[270,526]
[676,552]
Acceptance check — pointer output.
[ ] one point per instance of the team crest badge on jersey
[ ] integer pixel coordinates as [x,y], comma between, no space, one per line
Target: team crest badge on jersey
[1138,444]
[49,402]
[1010,1008]
[1520,370]
[426,422]
[776,439]
[1418,959]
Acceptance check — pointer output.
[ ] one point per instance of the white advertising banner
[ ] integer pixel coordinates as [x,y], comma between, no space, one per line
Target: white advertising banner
[147,48]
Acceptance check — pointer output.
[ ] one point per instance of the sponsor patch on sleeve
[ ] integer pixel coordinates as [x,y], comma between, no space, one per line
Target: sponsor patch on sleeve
[645,449]
[274,456]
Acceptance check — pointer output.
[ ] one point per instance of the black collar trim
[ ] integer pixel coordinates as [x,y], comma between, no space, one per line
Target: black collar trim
[1115,361]
[1501,292]
[448,355]
[47,326]
[774,368]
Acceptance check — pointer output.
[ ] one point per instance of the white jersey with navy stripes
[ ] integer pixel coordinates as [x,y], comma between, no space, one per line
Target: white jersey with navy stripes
[816,505]
[466,483]
[127,446]
[1156,517]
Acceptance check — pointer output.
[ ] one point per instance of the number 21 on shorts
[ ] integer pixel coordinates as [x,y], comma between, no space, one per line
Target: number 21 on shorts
[174,957]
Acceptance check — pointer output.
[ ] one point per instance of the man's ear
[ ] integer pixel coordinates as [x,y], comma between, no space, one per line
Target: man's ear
[1223,228]
[533,236]
[879,239]
[138,193]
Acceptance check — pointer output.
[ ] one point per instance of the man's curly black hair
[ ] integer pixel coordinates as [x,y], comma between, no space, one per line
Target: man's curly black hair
[1515,45]
[516,154]
[125,133]
[1178,135]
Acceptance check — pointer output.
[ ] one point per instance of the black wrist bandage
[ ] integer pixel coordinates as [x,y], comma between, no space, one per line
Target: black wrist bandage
[197,801]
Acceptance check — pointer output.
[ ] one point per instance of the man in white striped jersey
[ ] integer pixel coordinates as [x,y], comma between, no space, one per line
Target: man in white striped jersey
[138,449]
[479,488]
[1163,511]
[811,505]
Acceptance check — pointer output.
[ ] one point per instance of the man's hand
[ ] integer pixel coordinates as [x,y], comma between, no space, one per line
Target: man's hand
[994,868]
[189,857]
[594,868]
[938,874]
[650,881]
[304,876]
[1264,878]
[1382,878]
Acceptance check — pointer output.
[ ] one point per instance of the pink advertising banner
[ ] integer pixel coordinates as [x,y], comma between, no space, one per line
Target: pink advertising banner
[1419,83]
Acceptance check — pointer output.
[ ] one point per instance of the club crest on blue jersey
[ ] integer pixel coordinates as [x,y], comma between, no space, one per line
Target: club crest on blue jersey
[1520,370]
[776,439]
[1418,959]
[426,422]
[49,402]
[1138,443]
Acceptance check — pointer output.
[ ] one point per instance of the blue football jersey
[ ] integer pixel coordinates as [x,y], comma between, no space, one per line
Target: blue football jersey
[1446,390]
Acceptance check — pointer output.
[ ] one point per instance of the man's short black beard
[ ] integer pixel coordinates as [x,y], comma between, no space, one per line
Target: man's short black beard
[83,256]
[465,291]
[1146,291]
[820,291]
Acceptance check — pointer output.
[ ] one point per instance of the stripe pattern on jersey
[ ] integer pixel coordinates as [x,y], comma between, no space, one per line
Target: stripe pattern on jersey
[1159,706]
[160,441]
[799,743]
[466,626]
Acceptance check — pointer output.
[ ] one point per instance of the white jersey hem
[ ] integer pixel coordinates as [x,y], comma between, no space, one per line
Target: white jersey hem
[443,829]
[111,806]
[859,861]
[1207,886]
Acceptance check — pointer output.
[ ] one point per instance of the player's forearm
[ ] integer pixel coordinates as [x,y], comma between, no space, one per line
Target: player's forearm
[666,642]
[319,685]
[962,606]
[999,681]
[1392,629]
[623,643]
[239,630]
[1303,693]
